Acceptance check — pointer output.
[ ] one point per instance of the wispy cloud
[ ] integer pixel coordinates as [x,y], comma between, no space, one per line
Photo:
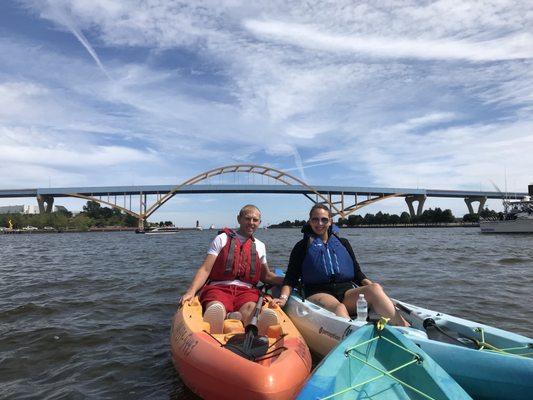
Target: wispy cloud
[60,12]
[517,46]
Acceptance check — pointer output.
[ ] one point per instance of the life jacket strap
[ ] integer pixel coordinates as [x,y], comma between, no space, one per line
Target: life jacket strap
[253,257]
[231,254]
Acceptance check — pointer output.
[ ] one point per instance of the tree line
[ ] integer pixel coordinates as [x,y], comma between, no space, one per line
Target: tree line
[429,216]
[92,215]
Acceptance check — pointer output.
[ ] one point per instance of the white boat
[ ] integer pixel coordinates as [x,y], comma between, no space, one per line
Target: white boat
[517,218]
[163,230]
[489,363]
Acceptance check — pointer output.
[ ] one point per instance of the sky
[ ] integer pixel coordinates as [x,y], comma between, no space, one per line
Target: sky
[414,94]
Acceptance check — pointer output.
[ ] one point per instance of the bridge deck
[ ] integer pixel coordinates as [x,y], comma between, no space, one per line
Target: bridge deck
[273,189]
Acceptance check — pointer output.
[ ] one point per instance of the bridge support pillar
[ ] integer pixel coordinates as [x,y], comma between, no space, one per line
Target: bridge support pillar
[421,198]
[142,210]
[473,199]
[46,204]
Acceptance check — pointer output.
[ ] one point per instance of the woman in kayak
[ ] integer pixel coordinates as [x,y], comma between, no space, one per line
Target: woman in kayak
[329,272]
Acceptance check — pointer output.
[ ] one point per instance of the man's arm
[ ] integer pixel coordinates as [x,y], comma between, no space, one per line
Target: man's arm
[200,278]
[293,273]
[267,276]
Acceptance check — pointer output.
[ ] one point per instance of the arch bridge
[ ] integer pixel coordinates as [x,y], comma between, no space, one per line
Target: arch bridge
[335,201]
[343,201]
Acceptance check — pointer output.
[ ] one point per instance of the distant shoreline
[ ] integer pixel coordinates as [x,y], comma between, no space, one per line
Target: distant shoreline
[55,231]
[443,225]
[94,229]
[131,229]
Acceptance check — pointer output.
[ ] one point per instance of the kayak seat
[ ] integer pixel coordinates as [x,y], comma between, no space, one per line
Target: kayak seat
[233,326]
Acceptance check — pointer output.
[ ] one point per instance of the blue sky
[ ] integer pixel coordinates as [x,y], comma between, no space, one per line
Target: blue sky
[402,94]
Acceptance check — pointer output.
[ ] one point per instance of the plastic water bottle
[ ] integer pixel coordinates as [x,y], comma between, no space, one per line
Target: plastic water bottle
[362,308]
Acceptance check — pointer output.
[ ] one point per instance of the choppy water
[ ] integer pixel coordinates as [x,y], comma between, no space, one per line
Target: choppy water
[88,315]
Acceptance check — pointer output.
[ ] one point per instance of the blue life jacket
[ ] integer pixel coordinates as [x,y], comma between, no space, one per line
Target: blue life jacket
[327,262]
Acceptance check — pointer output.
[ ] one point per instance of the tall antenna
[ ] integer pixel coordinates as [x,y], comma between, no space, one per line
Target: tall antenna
[505,172]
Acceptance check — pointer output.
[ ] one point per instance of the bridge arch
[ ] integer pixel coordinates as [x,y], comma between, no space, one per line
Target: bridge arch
[337,207]
[270,172]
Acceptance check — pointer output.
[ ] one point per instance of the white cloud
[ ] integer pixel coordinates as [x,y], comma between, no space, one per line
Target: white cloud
[519,46]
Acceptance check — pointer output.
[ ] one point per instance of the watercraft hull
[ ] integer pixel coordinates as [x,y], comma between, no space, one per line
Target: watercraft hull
[214,372]
[483,374]
[512,226]
[354,369]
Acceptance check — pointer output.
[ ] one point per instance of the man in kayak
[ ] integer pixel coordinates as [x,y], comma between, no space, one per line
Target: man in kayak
[235,263]
[330,273]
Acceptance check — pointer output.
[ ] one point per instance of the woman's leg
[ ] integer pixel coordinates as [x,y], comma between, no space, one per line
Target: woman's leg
[377,299]
[330,303]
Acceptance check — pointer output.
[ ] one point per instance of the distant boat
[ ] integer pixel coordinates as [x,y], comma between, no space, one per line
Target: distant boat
[162,230]
[212,226]
[517,217]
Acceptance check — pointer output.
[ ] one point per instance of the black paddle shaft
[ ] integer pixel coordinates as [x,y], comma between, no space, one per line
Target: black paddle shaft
[441,333]
[249,345]
[252,325]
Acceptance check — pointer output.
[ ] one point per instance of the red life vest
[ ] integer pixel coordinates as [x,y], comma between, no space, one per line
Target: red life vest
[237,260]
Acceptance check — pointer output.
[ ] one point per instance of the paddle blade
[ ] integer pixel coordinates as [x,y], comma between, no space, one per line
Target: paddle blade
[248,345]
[446,335]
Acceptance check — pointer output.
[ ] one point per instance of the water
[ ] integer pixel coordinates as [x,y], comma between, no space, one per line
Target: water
[88,315]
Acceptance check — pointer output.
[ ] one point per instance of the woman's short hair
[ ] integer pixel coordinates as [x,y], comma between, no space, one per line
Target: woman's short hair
[320,206]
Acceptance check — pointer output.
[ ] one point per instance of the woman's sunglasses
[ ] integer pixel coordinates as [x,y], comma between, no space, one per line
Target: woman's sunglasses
[316,220]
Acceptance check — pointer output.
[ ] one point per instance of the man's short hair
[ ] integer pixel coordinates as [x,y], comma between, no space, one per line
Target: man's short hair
[248,207]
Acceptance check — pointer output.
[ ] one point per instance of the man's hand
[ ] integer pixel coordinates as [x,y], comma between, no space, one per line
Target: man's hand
[186,297]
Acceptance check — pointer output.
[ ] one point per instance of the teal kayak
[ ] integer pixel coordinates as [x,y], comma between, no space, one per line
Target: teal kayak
[489,363]
[379,364]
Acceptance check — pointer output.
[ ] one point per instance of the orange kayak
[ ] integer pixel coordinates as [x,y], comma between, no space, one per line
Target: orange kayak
[213,371]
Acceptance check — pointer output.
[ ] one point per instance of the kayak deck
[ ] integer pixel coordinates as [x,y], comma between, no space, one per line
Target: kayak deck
[460,332]
[489,363]
[380,365]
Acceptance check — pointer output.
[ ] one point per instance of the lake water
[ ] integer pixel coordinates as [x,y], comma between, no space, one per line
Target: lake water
[88,315]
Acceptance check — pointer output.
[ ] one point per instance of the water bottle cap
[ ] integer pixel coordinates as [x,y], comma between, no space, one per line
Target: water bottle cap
[361,296]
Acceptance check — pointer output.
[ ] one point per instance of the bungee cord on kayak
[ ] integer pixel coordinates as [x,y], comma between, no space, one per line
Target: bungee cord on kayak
[366,346]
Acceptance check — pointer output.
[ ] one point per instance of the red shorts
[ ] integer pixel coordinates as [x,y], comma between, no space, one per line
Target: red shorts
[232,296]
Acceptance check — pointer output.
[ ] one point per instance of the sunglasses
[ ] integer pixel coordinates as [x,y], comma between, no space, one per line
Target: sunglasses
[316,220]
